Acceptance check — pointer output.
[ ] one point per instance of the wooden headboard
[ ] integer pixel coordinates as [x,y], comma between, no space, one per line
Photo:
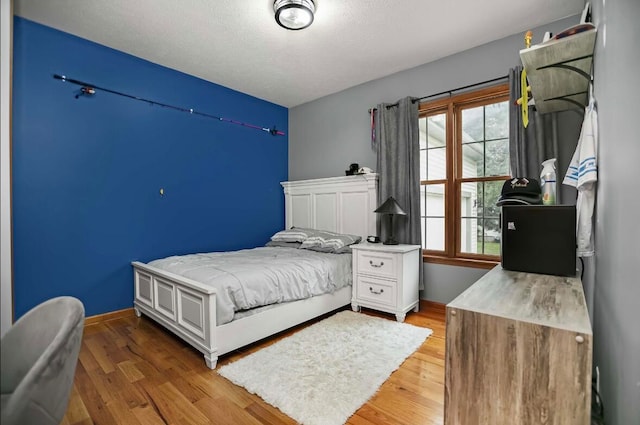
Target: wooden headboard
[338,204]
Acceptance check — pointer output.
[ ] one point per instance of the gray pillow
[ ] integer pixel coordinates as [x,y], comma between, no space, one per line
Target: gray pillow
[324,241]
[284,244]
[329,250]
[295,234]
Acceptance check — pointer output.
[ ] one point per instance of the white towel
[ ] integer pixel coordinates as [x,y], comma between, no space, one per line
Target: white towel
[583,174]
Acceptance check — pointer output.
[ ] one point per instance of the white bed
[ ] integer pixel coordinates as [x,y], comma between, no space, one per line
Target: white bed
[188,308]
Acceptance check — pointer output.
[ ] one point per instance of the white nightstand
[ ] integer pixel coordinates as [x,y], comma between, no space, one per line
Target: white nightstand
[385,278]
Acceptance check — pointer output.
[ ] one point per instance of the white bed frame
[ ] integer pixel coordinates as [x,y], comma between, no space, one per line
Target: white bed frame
[188,308]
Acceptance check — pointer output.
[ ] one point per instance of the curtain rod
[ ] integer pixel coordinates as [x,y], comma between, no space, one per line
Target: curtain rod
[493,80]
[89,89]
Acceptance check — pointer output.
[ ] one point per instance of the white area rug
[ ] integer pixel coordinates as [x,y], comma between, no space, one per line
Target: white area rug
[322,374]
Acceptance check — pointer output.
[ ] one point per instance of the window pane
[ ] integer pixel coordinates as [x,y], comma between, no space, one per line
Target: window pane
[491,194]
[422,127]
[473,160]
[473,124]
[437,168]
[497,121]
[470,204]
[479,222]
[470,199]
[437,130]
[485,148]
[432,212]
[433,237]
[478,199]
[491,235]
[497,157]
[433,155]
[469,235]
[432,200]
[487,237]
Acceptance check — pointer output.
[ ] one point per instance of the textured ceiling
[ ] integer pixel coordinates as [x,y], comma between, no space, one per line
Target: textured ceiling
[237,43]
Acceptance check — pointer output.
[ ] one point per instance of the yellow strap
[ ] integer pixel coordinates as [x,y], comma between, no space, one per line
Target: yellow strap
[524,107]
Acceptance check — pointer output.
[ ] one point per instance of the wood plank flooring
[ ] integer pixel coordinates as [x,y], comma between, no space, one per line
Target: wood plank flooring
[133,371]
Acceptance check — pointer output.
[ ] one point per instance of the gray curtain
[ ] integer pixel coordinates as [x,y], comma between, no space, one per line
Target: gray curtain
[397,144]
[528,147]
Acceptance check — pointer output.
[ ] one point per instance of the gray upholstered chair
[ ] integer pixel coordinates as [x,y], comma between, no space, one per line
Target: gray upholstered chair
[39,356]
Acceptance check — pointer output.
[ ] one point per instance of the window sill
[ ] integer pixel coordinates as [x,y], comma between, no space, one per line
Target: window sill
[462,262]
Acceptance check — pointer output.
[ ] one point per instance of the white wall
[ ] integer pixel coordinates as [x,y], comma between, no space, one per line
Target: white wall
[6,42]
[443,282]
[328,134]
[616,299]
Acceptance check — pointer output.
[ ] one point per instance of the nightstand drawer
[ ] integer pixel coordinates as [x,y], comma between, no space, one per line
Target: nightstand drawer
[379,291]
[377,263]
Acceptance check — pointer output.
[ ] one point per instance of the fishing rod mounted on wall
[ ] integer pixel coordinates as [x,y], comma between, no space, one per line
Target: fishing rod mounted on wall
[88,89]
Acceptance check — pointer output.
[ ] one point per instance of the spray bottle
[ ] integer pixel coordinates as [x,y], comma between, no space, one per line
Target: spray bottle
[548,181]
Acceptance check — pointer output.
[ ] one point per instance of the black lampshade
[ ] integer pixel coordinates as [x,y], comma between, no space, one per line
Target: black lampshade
[390,206]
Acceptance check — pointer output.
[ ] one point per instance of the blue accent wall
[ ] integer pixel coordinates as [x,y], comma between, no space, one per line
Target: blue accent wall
[87,172]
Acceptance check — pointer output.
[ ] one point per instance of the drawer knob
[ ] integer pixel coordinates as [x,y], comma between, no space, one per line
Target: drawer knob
[579,339]
[376,265]
[374,292]
[453,312]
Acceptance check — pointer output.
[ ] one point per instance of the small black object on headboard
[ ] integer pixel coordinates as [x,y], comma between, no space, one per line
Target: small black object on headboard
[353,169]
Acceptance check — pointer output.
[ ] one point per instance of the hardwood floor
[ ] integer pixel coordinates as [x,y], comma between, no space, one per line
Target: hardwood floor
[132,371]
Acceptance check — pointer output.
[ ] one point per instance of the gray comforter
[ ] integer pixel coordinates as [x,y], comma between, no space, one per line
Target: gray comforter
[261,276]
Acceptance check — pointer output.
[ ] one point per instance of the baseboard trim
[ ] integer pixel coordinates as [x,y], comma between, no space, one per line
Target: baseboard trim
[128,312]
[432,305]
[112,315]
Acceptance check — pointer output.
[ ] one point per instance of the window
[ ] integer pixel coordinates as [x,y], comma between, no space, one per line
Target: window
[464,161]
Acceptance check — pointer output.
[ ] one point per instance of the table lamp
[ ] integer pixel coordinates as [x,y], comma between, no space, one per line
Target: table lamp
[390,207]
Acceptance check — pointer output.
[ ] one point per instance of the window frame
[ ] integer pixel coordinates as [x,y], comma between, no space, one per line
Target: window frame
[452,106]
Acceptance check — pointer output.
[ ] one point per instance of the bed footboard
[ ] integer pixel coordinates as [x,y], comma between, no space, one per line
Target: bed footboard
[185,307]
[188,309]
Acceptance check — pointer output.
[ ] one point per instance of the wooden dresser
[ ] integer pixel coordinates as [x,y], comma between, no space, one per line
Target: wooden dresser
[518,351]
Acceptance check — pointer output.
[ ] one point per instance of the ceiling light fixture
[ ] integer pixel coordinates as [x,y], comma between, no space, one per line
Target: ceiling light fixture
[294,14]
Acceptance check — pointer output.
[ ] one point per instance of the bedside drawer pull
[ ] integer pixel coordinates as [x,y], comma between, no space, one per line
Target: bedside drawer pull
[376,265]
[374,292]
